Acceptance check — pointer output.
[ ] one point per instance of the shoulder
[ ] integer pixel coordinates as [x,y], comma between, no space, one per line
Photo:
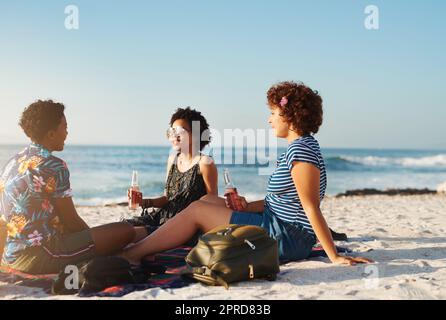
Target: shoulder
[303,146]
[56,161]
[305,149]
[307,143]
[55,164]
[206,163]
[206,160]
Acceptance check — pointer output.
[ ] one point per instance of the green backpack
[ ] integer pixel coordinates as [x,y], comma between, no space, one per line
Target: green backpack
[233,253]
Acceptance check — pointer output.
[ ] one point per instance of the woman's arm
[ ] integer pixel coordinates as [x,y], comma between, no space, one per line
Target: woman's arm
[255,206]
[154,202]
[307,181]
[210,175]
[68,215]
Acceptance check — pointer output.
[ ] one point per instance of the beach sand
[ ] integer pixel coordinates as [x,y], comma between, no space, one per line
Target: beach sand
[405,235]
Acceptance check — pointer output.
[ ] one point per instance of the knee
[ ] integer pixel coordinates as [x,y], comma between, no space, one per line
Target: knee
[191,211]
[194,206]
[206,197]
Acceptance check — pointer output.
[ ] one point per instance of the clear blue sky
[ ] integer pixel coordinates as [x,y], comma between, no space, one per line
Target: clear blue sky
[132,63]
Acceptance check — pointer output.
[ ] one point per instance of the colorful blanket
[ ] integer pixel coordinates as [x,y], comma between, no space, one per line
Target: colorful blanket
[15,277]
[172,261]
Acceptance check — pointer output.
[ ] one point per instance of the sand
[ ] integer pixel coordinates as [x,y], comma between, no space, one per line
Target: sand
[405,235]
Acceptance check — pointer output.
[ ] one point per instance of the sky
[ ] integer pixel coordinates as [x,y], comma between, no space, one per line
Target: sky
[132,63]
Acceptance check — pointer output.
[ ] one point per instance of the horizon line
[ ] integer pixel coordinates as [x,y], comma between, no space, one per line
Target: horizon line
[167,146]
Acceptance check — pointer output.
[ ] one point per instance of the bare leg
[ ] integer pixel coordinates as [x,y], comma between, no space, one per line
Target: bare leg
[214,199]
[140,233]
[200,215]
[112,238]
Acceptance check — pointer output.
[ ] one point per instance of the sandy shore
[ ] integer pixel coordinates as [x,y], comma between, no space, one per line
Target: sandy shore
[404,234]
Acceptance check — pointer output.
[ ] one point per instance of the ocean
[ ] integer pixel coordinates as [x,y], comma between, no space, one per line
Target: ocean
[102,174]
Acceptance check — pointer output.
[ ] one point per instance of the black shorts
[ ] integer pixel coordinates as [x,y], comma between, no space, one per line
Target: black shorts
[51,257]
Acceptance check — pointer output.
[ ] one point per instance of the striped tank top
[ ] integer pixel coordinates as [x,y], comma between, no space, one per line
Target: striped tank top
[282,198]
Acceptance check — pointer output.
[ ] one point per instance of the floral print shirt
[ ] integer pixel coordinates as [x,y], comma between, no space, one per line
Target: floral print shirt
[29,184]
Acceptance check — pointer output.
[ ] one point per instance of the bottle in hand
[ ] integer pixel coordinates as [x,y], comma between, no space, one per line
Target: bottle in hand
[231,193]
[135,196]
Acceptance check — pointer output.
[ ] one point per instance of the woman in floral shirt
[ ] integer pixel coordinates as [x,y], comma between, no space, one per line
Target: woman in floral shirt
[44,231]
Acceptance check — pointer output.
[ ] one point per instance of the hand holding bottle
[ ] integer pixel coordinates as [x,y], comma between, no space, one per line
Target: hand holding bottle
[233,201]
[240,203]
[134,195]
[137,195]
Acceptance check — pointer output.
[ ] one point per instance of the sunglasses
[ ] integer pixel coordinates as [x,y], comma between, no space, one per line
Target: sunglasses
[175,132]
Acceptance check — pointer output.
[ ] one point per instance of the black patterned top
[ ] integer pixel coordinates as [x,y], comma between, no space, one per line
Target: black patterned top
[182,188]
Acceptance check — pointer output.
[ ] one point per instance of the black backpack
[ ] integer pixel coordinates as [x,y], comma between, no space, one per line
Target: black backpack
[103,272]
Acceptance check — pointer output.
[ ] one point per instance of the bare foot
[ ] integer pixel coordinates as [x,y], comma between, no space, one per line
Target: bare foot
[133,262]
[149,258]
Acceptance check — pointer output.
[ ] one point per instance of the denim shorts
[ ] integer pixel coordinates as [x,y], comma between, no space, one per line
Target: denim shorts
[295,242]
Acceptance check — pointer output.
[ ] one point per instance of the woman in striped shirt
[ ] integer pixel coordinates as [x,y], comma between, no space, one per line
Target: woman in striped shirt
[290,211]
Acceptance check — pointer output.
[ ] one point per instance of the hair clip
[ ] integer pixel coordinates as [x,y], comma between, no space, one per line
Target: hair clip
[283,101]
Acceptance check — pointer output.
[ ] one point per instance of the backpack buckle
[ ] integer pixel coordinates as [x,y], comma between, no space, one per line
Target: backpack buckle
[225,232]
[253,247]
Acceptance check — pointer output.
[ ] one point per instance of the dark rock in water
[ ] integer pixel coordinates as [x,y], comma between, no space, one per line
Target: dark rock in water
[388,192]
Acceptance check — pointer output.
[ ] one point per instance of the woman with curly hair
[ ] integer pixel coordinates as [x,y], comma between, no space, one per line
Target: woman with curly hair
[190,173]
[291,210]
[44,231]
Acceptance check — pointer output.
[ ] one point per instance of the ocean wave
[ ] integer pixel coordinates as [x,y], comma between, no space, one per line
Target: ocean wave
[98,201]
[374,161]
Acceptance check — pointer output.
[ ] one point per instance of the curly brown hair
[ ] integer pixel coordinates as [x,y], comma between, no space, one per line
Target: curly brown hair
[303,111]
[40,117]
[191,115]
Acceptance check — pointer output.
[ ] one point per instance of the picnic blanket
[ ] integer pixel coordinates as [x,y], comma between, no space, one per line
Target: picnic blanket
[18,278]
[173,261]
